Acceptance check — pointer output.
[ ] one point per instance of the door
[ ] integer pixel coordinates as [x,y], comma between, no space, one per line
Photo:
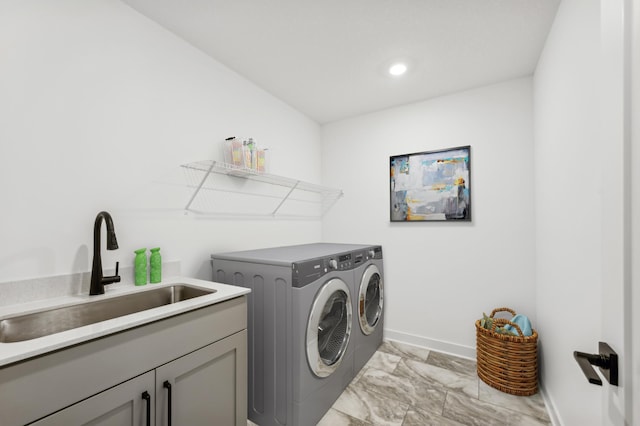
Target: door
[370,299]
[616,120]
[128,404]
[634,359]
[205,387]
[329,327]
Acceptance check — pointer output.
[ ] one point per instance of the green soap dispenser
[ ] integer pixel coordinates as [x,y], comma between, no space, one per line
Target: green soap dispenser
[140,266]
[156,265]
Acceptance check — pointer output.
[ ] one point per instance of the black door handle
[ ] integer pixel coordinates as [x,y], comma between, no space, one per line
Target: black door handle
[606,359]
[167,386]
[147,397]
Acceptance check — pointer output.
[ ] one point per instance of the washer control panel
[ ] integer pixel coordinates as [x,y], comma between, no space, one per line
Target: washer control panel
[345,261]
[313,269]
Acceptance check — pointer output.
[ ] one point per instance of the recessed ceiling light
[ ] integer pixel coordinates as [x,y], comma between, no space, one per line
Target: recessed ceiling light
[398,69]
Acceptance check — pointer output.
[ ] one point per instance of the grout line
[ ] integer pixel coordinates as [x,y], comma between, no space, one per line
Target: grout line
[409,406]
[444,401]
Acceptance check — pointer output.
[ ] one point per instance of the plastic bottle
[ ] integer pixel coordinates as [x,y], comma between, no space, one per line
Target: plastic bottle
[253,154]
[140,266]
[246,154]
[156,266]
[262,160]
[236,152]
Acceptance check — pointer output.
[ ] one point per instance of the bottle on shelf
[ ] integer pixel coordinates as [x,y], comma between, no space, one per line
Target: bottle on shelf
[233,152]
[262,160]
[253,154]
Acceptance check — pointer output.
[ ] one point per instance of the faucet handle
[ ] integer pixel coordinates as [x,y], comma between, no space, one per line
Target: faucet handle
[114,278]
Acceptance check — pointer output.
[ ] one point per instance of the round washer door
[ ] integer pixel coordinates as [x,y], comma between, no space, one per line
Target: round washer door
[329,327]
[370,299]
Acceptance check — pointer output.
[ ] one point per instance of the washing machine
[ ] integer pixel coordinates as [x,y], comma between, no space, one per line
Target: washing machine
[368,304]
[300,327]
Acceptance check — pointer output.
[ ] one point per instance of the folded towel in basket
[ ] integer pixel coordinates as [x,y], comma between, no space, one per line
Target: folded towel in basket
[523,322]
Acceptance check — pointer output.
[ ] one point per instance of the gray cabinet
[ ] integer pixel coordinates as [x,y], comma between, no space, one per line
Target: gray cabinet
[207,387]
[123,405]
[201,353]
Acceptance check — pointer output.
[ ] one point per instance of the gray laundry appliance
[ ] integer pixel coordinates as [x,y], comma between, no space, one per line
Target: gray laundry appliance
[368,304]
[300,327]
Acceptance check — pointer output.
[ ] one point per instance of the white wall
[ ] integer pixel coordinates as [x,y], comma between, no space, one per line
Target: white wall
[98,108]
[568,192]
[440,277]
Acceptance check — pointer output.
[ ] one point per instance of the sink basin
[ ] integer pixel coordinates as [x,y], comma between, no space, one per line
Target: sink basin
[38,324]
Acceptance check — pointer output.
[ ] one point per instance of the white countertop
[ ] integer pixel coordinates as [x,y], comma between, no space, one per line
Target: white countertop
[19,351]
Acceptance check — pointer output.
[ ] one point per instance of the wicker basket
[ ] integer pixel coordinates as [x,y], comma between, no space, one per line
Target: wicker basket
[508,363]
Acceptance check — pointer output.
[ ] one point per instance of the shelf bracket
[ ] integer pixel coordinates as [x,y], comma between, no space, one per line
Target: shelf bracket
[213,163]
[285,198]
[328,206]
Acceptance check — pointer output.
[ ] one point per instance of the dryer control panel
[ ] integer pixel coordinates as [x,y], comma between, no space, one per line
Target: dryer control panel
[373,252]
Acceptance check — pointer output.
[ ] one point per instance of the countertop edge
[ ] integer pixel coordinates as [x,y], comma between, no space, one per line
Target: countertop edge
[11,353]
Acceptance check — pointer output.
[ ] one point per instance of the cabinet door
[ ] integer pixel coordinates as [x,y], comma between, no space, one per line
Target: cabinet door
[206,387]
[122,405]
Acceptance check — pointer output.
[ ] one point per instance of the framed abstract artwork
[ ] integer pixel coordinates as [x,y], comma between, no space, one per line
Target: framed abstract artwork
[431,186]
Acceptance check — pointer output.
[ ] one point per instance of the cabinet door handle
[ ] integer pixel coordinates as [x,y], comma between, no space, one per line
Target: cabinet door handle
[147,397]
[167,386]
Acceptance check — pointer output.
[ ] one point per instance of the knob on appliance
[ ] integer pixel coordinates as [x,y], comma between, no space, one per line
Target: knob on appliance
[372,254]
[333,264]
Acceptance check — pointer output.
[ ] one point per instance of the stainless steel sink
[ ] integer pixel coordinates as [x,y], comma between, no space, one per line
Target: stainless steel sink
[38,324]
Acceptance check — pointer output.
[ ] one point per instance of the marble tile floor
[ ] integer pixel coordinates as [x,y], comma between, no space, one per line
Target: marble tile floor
[406,385]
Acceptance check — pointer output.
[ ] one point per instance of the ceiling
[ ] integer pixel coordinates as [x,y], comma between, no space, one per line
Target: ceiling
[329,58]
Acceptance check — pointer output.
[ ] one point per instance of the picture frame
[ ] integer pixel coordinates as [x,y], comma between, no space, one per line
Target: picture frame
[431,186]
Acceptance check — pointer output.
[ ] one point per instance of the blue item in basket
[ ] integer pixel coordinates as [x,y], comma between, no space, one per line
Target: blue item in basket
[523,322]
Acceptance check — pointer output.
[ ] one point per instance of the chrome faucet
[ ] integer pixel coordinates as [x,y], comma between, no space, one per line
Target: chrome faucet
[97,280]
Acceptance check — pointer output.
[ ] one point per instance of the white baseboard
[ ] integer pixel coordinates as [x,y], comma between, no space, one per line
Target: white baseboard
[551,407]
[436,345]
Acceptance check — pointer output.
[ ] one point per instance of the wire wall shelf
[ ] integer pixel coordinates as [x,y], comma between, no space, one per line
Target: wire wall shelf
[222,189]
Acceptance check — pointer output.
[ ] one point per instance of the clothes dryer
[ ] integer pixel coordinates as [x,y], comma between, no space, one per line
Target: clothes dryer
[368,304]
[300,327]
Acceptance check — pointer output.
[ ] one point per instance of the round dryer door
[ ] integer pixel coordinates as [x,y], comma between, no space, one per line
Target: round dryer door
[329,327]
[370,299]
